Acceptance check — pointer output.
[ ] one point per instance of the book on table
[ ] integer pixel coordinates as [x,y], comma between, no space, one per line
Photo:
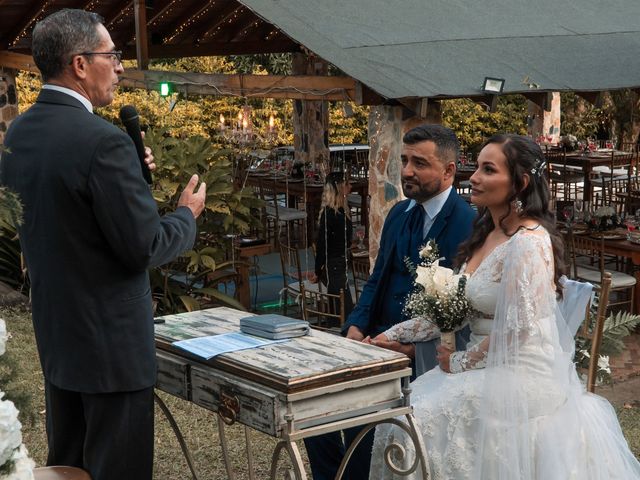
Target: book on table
[273,326]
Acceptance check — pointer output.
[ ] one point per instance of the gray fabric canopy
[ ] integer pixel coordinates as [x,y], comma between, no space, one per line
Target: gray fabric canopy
[432,48]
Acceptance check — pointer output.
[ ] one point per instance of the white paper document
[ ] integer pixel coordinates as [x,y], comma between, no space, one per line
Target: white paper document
[212,345]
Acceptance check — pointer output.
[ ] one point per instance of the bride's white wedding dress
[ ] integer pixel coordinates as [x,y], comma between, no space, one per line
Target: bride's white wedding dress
[514,409]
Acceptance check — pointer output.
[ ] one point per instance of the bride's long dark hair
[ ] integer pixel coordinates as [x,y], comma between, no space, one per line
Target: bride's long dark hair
[523,156]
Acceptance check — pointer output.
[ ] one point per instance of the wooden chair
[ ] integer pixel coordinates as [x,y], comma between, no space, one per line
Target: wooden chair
[225,282]
[588,264]
[617,177]
[60,473]
[323,310]
[560,175]
[293,277]
[360,269]
[277,213]
[593,331]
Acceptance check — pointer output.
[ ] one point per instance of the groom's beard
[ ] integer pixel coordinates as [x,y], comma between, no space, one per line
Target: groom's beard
[421,192]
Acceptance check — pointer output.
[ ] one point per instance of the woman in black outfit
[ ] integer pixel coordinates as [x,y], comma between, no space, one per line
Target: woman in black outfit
[334,237]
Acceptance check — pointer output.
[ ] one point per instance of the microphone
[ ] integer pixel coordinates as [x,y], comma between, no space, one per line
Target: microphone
[129,117]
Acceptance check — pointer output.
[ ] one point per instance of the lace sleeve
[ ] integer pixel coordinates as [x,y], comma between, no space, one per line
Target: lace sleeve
[473,358]
[413,330]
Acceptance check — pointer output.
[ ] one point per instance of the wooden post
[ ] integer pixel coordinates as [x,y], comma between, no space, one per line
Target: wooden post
[142,44]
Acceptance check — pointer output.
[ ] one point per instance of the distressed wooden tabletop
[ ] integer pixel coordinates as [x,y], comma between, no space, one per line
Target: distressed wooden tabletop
[311,361]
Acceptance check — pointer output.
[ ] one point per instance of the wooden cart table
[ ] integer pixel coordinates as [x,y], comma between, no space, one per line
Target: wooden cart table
[300,388]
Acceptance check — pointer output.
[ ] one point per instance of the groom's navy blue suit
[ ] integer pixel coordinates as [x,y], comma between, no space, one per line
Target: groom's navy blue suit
[382,299]
[380,307]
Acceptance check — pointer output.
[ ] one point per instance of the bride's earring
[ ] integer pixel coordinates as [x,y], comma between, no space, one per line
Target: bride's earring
[518,206]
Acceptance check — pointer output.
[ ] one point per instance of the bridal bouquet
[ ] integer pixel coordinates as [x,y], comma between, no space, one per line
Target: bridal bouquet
[439,295]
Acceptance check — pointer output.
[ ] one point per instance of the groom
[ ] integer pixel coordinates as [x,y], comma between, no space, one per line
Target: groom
[433,210]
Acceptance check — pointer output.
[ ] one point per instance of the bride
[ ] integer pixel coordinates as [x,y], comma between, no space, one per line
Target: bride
[511,405]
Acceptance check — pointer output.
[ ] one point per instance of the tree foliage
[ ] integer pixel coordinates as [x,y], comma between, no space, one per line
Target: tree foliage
[473,123]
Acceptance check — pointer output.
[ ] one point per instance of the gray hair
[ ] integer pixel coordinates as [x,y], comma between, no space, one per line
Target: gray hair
[61,35]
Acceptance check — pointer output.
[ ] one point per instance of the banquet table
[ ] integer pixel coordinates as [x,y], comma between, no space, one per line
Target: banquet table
[620,247]
[588,161]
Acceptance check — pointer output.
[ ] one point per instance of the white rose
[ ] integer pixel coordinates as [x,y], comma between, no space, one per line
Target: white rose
[3,336]
[10,435]
[426,251]
[442,279]
[425,278]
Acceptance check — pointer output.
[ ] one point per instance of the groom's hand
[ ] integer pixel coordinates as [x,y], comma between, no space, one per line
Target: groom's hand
[354,333]
[409,349]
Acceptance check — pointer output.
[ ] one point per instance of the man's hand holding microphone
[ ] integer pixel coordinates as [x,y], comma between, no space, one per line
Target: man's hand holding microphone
[190,198]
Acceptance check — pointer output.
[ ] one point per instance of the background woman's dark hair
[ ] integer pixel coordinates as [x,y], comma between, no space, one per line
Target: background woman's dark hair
[523,155]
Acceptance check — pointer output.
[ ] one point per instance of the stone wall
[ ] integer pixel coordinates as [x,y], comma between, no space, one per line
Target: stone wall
[545,122]
[8,100]
[387,125]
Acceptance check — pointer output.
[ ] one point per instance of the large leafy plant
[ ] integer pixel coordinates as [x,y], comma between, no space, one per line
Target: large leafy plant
[616,328]
[229,212]
[12,271]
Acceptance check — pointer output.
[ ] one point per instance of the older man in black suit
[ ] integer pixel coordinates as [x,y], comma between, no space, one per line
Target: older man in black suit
[91,230]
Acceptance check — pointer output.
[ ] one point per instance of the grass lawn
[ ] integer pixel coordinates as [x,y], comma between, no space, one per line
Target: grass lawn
[199,426]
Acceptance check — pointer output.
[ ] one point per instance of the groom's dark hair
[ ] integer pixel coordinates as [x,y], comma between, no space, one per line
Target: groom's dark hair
[447,145]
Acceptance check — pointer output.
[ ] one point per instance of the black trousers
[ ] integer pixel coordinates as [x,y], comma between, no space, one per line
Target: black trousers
[110,435]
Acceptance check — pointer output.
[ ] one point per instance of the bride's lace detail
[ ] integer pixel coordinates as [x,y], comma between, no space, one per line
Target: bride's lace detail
[472,358]
[525,415]
[416,329]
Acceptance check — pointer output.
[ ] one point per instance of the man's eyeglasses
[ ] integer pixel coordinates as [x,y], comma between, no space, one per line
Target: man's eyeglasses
[116,55]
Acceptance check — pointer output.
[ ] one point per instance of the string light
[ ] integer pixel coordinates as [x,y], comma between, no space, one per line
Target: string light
[35,18]
[190,21]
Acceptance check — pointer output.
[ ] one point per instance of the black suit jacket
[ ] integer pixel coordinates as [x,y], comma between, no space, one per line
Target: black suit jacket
[91,230]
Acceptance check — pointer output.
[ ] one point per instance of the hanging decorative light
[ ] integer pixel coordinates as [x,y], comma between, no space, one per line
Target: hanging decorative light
[242,132]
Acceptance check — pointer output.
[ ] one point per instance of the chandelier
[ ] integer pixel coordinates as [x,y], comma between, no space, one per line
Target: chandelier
[242,132]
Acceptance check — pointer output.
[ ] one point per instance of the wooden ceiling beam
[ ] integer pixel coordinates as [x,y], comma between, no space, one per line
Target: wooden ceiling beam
[216,48]
[116,12]
[17,61]
[594,98]
[542,99]
[251,24]
[172,27]
[366,96]
[223,15]
[24,23]
[305,87]
[159,10]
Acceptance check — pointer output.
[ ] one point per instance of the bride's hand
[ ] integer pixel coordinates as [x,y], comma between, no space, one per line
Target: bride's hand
[443,358]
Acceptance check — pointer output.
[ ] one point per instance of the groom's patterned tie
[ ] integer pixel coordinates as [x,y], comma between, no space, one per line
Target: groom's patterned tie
[416,231]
